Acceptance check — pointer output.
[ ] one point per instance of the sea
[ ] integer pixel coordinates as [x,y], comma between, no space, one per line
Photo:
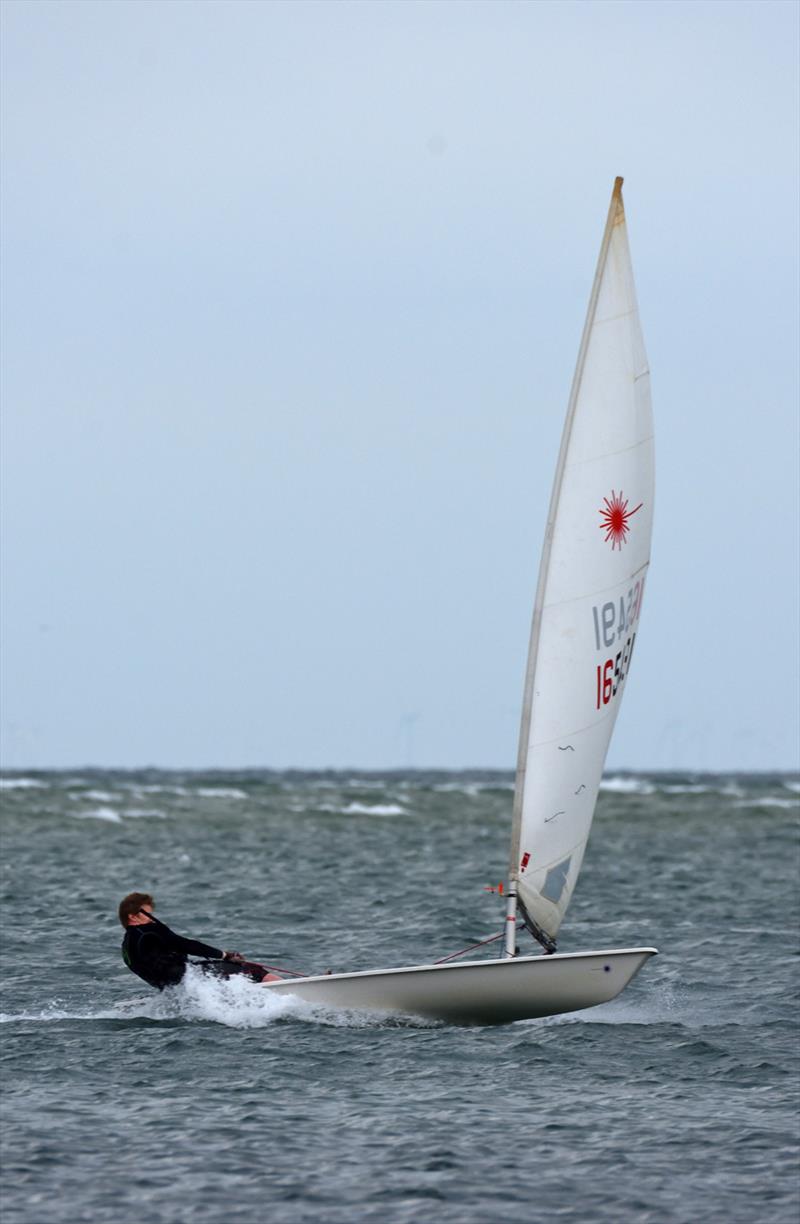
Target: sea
[216,1103]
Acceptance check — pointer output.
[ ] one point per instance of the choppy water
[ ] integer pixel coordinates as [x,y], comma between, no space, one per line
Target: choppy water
[677,1102]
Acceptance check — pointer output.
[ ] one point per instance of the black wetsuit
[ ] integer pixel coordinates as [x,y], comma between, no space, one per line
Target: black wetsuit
[158,955]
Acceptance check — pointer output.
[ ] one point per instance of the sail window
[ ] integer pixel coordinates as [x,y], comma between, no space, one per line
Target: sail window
[555,880]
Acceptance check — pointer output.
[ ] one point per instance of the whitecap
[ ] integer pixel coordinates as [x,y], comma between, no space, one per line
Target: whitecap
[100,813]
[472,788]
[627,786]
[687,790]
[373,809]
[144,812]
[771,801]
[220,792]
[147,1007]
[358,809]
[22,784]
[792,785]
[157,789]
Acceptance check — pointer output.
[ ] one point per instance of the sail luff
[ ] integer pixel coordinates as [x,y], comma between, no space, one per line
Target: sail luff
[616,212]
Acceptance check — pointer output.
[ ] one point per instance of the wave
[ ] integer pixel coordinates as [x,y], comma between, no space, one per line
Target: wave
[373,809]
[100,813]
[628,786]
[219,792]
[52,1013]
[112,816]
[471,788]
[689,789]
[771,801]
[356,809]
[153,788]
[661,1003]
[22,784]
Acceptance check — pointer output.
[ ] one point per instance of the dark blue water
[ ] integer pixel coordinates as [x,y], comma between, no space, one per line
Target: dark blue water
[677,1102]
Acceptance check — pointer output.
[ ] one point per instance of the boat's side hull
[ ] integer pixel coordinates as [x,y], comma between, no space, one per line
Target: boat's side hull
[479,992]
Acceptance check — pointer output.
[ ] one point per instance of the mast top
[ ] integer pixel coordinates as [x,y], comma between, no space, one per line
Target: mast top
[617,203]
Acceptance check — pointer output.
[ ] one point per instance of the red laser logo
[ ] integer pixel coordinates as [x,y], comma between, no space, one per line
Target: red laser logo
[615,518]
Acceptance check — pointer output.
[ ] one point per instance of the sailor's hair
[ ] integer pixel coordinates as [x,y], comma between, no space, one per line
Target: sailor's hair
[131,905]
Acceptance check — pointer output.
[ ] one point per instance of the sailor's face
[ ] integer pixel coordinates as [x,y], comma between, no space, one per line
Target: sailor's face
[141,917]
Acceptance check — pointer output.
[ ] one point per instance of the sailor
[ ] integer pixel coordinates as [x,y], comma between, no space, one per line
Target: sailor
[159,956]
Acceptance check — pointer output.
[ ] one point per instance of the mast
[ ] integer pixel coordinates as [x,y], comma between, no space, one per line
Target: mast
[616,214]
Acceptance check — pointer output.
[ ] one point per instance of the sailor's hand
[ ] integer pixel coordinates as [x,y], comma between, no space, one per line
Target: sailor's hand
[235,957]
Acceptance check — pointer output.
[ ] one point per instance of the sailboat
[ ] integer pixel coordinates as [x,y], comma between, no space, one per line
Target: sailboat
[585,621]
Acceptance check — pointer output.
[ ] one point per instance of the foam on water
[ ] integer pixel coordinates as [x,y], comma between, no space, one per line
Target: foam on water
[21,784]
[688,790]
[373,809]
[473,790]
[219,792]
[770,801]
[99,813]
[236,1002]
[356,809]
[152,788]
[239,1003]
[627,786]
[661,1003]
[134,1009]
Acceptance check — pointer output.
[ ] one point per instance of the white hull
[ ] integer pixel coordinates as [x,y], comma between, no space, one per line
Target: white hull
[479,992]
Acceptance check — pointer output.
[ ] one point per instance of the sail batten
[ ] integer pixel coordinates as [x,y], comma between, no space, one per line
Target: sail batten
[589,593]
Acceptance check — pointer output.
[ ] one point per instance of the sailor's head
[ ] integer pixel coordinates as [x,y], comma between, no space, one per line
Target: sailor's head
[136,908]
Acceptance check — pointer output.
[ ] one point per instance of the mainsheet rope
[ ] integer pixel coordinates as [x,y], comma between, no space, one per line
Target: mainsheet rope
[441,961]
[492,939]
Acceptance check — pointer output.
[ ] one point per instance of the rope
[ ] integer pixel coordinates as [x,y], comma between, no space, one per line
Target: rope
[441,961]
[281,969]
[480,944]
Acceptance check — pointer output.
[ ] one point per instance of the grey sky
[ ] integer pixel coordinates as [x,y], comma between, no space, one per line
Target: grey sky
[292,295]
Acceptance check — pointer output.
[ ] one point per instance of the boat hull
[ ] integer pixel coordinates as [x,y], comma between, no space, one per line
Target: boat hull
[478,992]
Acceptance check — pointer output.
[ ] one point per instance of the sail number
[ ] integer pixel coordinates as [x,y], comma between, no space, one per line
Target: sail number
[614,619]
[611,674]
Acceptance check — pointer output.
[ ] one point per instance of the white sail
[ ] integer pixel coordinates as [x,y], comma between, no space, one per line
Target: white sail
[589,597]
